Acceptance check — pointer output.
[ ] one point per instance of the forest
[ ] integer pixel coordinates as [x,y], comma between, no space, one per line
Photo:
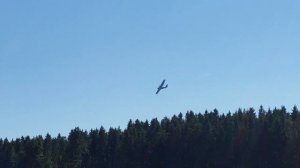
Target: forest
[267,138]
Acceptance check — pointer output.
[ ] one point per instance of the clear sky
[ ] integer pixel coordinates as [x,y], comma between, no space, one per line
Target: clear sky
[90,63]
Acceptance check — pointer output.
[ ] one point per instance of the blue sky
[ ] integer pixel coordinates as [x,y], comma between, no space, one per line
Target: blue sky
[90,63]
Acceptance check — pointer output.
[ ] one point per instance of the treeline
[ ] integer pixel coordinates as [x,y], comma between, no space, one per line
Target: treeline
[262,139]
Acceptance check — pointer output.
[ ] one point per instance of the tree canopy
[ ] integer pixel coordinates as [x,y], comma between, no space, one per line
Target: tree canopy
[245,138]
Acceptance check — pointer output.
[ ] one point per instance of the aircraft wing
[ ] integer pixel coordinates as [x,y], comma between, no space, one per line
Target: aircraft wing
[158,90]
[162,84]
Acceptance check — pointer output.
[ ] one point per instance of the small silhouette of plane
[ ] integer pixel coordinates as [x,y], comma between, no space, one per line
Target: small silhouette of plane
[161,86]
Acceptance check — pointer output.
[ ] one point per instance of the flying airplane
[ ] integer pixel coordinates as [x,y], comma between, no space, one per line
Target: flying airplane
[161,86]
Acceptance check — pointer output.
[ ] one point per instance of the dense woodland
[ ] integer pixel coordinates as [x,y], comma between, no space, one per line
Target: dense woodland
[245,138]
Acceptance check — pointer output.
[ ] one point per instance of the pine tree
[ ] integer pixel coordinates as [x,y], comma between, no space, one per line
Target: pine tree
[77,148]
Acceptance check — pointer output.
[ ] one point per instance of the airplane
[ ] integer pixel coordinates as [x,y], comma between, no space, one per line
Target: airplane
[161,86]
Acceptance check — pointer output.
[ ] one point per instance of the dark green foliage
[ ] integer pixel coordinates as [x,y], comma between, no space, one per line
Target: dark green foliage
[77,148]
[266,139]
